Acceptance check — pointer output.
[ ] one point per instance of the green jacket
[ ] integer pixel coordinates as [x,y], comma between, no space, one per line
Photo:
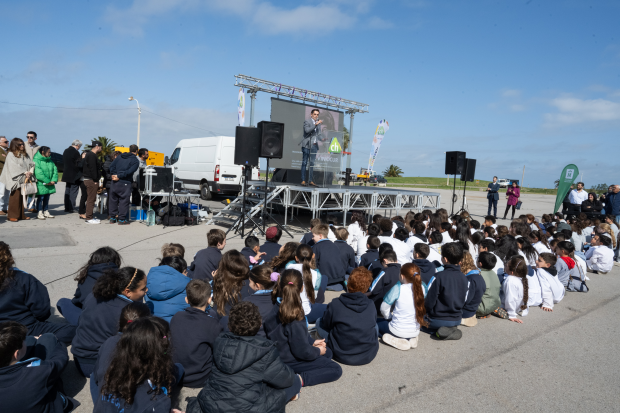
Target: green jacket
[45,171]
[490,299]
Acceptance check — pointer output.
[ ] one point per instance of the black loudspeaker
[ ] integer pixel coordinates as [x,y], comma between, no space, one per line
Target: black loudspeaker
[247,146]
[161,180]
[470,170]
[272,139]
[455,163]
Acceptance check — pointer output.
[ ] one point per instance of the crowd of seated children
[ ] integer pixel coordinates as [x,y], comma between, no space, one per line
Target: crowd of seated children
[386,278]
[207,260]
[262,281]
[271,248]
[166,284]
[312,295]
[251,251]
[402,250]
[347,254]
[327,258]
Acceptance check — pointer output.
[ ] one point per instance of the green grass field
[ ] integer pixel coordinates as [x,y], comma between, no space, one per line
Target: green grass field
[440,183]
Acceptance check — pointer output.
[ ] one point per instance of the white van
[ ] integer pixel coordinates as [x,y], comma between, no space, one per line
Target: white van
[208,165]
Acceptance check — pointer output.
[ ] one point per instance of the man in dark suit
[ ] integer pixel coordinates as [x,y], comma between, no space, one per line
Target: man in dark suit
[493,196]
[309,145]
[71,174]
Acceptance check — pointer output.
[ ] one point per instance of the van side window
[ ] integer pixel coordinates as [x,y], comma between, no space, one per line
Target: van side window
[175,156]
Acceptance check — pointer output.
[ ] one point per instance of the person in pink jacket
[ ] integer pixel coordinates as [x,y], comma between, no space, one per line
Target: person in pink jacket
[512,193]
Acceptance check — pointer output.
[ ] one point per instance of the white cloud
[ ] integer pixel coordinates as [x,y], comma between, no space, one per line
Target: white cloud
[511,93]
[379,23]
[573,110]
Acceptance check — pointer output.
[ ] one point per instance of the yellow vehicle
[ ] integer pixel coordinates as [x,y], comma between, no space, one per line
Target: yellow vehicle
[155,158]
[364,175]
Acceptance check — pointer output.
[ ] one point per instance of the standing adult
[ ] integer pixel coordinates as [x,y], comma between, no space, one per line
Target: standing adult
[592,207]
[91,171]
[604,196]
[31,147]
[17,169]
[71,174]
[310,146]
[493,196]
[143,155]
[576,198]
[47,176]
[122,170]
[4,194]
[612,203]
[566,201]
[513,193]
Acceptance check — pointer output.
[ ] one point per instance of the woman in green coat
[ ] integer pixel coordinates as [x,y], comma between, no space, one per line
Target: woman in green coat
[47,175]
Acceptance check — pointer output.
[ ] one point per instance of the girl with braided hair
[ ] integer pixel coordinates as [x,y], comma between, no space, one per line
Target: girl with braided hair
[515,289]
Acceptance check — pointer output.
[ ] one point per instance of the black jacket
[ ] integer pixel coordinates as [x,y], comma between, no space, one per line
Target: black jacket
[347,255]
[307,239]
[144,401]
[72,172]
[271,248]
[247,252]
[387,278]
[476,290]
[329,262]
[446,296]
[205,262]
[351,320]
[106,172]
[104,358]
[591,206]
[93,274]
[293,341]
[24,300]
[428,270]
[124,166]
[91,167]
[193,338]
[368,257]
[248,376]
[264,304]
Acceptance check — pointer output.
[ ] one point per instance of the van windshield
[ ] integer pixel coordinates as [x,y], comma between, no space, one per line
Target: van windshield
[175,156]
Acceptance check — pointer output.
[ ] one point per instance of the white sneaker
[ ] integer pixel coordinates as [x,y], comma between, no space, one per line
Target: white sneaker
[40,215]
[93,221]
[413,342]
[399,343]
[47,214]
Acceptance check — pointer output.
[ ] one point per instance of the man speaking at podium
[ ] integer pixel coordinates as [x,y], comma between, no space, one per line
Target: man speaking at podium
[310,146]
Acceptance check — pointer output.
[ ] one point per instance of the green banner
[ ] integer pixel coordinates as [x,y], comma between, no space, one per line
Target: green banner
[569,174]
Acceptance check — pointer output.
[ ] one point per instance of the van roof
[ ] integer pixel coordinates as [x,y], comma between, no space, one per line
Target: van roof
[203,141]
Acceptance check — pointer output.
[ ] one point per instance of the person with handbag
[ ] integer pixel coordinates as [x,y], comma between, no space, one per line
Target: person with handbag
[512,195]
[18,178]
[47,176]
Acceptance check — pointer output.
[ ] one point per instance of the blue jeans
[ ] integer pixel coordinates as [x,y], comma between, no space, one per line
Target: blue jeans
[42,202]
[308,153]
[492,203]
[435,324]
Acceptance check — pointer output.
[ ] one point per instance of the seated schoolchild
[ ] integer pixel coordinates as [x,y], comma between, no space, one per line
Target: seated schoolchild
[349,325]
[30,370]
[287,327]
[173,250]
[332,223]
[477,287]
[230,283]
[207,260]
[539,241]
[600,257]
[376,266]
[25,299]
[102,309]
[251,251]
[362,243]
[248,374]
[372,251]
[552,290]
[516,289]
[386,279]
[444,230]
[487,245]
[285,256]
[165,284]
[193,335]
[446,294]
[271,246]
[327,258]
[132,385]
[420,254]
[347,254]
[403,310]
[490,303]
[101,260]
[565,264]
[312,296]
[490,221]
[130,313]
[474,226]
[418,236]
[261,286]
[434,242]
[307,238]
[402,249]
[489,233]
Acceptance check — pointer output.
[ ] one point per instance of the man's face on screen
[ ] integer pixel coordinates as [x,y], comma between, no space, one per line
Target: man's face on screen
[314,115]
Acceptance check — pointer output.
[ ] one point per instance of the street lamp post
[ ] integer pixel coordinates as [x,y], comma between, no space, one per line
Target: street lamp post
[139,112]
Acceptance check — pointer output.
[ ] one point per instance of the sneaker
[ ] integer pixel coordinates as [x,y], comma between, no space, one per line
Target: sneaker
[399,343]
[413,342]
[40,215]
[93,221]
[113,220]
[123,222]
[449,333]
[469,322]
[47,214]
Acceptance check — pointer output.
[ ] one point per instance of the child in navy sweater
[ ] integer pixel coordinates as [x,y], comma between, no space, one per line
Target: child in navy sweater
[387,278]
[102,310]
[477,287]
[251,251]
[193,335]
[347,254]
[286,325]
[349,325]
[271,246]
[377,266]
[100,261]
[261,285]
[372,252]
[30,371]
[207,260]
[25,300]
[427,268]
[327,258]
[308,237]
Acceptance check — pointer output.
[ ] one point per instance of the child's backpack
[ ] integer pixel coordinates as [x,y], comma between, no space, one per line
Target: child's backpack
[577,284]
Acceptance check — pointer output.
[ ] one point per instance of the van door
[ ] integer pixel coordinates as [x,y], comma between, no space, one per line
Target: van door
[230,174]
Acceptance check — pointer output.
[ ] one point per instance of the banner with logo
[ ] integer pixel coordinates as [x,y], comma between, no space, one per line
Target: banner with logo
[241,107]
[569,175]
[382,129]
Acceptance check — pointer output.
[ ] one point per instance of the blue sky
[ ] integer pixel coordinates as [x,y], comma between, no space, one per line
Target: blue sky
[512,83]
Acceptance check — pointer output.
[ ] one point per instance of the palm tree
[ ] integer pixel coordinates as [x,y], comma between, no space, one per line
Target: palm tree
[392,171]
[346,139]
[108,146]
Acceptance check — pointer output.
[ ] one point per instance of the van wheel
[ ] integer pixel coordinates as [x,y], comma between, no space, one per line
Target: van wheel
[205,194]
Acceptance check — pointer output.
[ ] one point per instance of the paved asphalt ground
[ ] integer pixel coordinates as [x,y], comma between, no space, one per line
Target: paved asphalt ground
[566,360]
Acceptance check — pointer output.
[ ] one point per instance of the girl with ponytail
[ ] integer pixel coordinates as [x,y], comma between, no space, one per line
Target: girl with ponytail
[539,241]
[311,302]
[515,288]
[261,285]
[112,292]
[228,281]
[286,325]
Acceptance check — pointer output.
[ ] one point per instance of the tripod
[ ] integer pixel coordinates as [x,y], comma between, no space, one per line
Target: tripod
[454,198]
[463,204]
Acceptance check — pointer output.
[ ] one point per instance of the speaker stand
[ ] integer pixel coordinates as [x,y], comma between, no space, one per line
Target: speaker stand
[463,204]
[453,196]
[265,213]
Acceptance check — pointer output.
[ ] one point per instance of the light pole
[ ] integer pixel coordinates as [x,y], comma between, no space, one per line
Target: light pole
[139,112]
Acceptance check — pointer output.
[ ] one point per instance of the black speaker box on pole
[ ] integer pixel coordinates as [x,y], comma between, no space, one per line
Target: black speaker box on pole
[470,170]
[455,163]
[272,139]
[247,146]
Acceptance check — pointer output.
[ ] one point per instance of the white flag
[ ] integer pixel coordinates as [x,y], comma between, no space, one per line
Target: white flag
[241,107]
[382,129]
